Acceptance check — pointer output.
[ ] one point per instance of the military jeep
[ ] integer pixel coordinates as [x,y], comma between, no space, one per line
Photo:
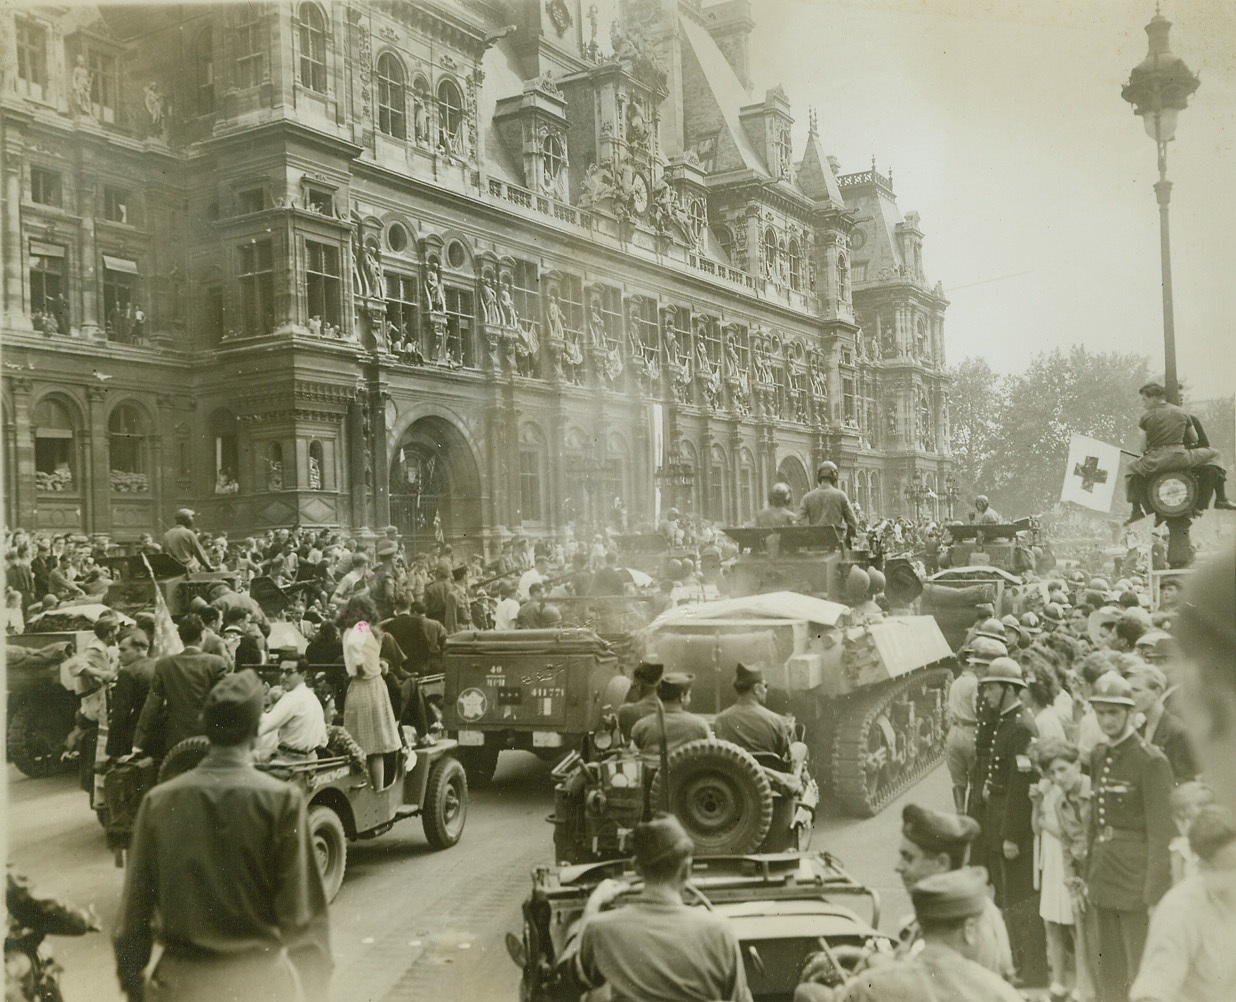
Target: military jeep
[785,909]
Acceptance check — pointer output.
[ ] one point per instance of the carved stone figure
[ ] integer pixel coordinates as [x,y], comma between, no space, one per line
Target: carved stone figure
[315,474]
[596,324]
[420,117]
[490,311]
[154,105]
[435,295]
[555,319]
[374,276]
[597,186]
[83,80]
[506,300]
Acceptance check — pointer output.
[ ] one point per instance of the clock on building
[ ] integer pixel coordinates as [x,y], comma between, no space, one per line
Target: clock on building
[857,239]
[639,194]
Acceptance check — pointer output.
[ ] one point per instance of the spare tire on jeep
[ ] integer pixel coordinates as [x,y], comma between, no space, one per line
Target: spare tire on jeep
[720,794]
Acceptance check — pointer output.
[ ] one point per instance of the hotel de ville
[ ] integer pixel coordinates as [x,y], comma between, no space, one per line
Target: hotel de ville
[467,268]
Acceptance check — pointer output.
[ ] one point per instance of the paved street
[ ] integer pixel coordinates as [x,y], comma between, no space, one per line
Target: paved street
[408,923]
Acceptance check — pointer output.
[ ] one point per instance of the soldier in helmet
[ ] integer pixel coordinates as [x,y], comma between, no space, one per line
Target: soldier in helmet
[1005,810]
[987,515]
[828,504]
[1129,867]
[778,513]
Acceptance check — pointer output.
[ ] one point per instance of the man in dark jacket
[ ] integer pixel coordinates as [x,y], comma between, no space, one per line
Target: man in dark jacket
[130,692]
[180,685]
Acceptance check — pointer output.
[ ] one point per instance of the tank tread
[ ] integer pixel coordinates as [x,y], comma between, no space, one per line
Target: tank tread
[866,773]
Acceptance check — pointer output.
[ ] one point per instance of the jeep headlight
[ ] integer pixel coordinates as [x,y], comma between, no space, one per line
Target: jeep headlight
[603,740]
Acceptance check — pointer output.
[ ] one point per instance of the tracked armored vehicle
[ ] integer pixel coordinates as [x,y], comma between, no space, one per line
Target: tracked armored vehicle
[870,695]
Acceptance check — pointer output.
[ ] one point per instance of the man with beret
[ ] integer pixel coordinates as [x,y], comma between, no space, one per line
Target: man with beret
[1005,810]
[949,908]
[750,724]
[238,908]
[655,946]
[641,700]
[934,842]
[681,725]
[1128,868]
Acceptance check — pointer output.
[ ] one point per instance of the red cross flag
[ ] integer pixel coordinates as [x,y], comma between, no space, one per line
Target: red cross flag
[1091,474]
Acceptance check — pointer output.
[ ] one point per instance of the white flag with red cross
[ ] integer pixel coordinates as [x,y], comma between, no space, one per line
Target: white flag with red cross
[1091,474]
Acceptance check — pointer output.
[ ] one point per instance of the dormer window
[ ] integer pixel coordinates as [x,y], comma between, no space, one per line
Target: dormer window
[784,150]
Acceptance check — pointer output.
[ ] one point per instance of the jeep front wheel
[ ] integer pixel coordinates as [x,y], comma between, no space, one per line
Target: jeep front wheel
[330,847]
[446,803]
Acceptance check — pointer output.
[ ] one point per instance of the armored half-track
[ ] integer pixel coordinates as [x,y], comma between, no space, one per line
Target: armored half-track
[1005,545]
[870,696]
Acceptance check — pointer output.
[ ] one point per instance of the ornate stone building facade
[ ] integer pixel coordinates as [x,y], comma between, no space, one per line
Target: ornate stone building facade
[461,267]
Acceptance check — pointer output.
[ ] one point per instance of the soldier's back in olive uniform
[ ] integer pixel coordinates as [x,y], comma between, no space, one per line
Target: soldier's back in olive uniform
[755,728]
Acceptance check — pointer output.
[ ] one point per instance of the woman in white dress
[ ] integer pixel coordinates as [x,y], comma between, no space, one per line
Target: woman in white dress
[367,712]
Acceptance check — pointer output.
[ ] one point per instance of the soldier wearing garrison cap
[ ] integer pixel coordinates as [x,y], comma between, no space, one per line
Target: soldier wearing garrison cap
[252,922]
[641,698]
[1128,868]
[681,725]
[935,842]
[749,723]
[654,946]
[949,908]
[1000,801]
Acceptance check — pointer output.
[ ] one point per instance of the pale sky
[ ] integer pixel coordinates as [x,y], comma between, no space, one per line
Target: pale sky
[1006,131]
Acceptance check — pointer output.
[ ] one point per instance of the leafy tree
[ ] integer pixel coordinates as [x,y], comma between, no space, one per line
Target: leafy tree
[1218,418]
[1017,455]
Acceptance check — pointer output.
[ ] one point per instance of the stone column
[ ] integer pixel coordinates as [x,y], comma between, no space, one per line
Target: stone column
[15,316]
[96,491]
[381,462]
[90,280]
[21,502]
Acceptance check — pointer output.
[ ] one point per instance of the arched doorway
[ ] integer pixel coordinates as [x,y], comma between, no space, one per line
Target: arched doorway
[792,472]
[435,486]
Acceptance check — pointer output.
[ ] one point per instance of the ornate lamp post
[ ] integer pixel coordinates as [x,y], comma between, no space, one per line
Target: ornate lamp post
[951,494]
[1159,88]
[917,493]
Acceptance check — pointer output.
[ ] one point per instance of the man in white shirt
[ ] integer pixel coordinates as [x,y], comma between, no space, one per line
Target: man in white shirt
[507,609]
[295,727]
[539,574]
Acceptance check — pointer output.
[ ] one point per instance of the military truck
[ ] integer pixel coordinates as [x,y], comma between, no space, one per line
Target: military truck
[537,690]
[870,694]
[133,589]
[950,597]
[1004,545]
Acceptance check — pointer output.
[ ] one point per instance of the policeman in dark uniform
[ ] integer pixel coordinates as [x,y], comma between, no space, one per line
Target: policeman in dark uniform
[1128,868]
[749,723]
[778,512]
[1003,790]
[642,696]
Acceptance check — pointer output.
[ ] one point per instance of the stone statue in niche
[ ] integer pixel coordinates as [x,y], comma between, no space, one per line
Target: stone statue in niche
[274,475]
[374,275]
[643,358]
[596,324]
[435,294]
[154,105]
[555,319]
[490,312]
[315,473]
[506,301]
[82,83]
[763,362]
[420,116]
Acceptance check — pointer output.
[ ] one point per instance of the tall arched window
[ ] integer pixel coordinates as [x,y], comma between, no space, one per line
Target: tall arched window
[274,467]
[55,453]
[392,101]
[316,482]
[223,429]
[770,253]
[204,72]
[725,239]
[450,115]
[126,442]
[794,261]
[312,48]
[843,278]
